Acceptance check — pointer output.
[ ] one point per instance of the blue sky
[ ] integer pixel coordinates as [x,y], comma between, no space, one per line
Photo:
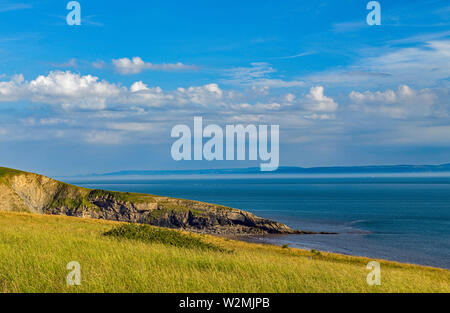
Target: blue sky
[103,96]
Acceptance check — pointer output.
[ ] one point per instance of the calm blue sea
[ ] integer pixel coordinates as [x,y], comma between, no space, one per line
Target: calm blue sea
[404,219]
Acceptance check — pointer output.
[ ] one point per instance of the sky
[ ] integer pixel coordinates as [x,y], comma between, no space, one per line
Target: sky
[103,96]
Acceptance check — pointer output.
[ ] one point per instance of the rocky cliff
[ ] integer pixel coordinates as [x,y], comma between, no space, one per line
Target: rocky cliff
[28,192]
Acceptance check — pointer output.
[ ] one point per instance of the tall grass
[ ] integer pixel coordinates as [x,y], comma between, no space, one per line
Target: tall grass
[35,249]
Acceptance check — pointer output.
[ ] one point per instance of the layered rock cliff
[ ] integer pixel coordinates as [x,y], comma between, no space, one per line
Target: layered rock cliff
[28,192]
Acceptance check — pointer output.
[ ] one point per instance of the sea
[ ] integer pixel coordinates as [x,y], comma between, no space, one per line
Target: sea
[400,218]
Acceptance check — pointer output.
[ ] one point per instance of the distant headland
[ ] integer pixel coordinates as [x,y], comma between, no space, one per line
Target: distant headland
[368,169]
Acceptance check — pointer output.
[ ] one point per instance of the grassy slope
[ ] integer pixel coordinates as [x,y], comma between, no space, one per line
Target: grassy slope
[34,251]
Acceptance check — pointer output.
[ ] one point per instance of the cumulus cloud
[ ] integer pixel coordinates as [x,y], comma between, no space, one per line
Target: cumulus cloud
[71,90]
[400,103]
[289,97]
[131,113]
[10,90]
[138,86]
[317,101]
[65,88]
[136,65]
[145,96]
[204,95]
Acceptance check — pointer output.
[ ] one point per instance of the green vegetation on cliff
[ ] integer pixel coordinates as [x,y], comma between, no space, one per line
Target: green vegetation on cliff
[5,172]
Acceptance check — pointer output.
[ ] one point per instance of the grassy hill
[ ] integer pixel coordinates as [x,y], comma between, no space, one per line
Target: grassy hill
[35,249]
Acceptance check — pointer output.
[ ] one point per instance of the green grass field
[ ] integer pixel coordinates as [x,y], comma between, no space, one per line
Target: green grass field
[35,249]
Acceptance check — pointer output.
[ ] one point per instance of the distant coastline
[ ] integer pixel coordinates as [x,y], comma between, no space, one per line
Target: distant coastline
[335,170]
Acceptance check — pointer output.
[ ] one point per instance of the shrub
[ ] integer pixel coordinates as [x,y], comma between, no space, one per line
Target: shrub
[146,233]
[316,252]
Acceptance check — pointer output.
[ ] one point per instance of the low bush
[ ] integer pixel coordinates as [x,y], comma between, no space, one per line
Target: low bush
[146,233]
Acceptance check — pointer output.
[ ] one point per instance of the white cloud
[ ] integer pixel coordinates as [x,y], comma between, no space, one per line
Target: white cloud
[129,114]
[72,90]
[131,126]
[425,65]
[67,84]
[315,116]
[5,7]
[260,90]
[257,107]
[53,121]
[400,103]
[99,64]
[137,65]
[426,57]
[258,74]
[298,55]
[353,76]
[257,70]
[317,101]
[9,90]
[289,97]
[206,95]
[138,86]
[246,118]
[65,88]
[103,137]
[70,63]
